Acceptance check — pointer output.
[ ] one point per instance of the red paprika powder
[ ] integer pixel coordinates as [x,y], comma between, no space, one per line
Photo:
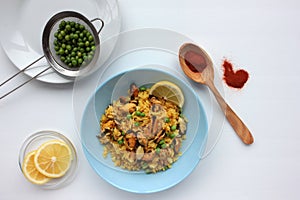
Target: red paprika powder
[235,79]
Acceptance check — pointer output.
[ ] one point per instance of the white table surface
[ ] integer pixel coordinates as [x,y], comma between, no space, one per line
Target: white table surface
[262,37]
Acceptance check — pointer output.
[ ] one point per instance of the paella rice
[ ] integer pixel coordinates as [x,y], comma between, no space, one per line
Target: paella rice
[142,132]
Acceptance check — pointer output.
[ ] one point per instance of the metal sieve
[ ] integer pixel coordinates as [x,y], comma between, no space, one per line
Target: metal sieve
[53,59]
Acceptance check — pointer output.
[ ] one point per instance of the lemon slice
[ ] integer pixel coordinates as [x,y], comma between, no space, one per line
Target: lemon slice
[53,158]
[30,171]
[168,91]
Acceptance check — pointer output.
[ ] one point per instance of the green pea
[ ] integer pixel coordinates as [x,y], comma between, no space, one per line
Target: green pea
[90,57]
[136,123]
[67,37]
[173,128]
[72,24]
[80,61]
[157,150]
[71,36]
[69,47]
[62,58]
[75,36]
[56,48]
[143,114]
[62,24]
[167,120]
[68,27]
[142,88]
[61,51]
[121,141]
[74,62]
[129,116]
[56,43]
[59,36]
[87,43]
[162,142]
[68,59]
[173,135]
[164,145]
[91,53]
[90,38]
[62,33]
[81,44]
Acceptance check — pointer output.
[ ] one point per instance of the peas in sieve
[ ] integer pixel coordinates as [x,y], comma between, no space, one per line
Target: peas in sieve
[74,44]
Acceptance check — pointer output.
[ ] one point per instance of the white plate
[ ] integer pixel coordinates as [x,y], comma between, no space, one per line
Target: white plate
[22,25]
[149,46]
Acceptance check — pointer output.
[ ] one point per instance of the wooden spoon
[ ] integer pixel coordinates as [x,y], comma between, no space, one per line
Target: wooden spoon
[198,66]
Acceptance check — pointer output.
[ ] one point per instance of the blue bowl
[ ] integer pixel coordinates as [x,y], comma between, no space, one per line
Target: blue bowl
[138,181]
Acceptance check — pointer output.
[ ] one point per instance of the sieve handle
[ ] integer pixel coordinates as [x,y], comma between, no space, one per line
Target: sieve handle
[24,83]
[102,23]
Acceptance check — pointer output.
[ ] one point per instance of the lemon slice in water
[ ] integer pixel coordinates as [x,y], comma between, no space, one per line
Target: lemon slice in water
[53,158]
[30,171]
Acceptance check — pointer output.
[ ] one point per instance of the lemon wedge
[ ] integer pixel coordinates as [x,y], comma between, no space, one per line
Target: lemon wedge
[169,91]
[53,158]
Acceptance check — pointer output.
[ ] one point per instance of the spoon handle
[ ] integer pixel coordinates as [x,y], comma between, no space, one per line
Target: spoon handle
[237,124]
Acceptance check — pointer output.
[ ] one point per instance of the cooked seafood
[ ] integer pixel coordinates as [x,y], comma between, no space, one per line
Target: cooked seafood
[142,132]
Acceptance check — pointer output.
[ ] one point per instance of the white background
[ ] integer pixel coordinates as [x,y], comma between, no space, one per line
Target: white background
[262,37]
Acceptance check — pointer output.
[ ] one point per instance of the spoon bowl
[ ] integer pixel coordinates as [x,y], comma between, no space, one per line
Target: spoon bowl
[196,63]
[198,66]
